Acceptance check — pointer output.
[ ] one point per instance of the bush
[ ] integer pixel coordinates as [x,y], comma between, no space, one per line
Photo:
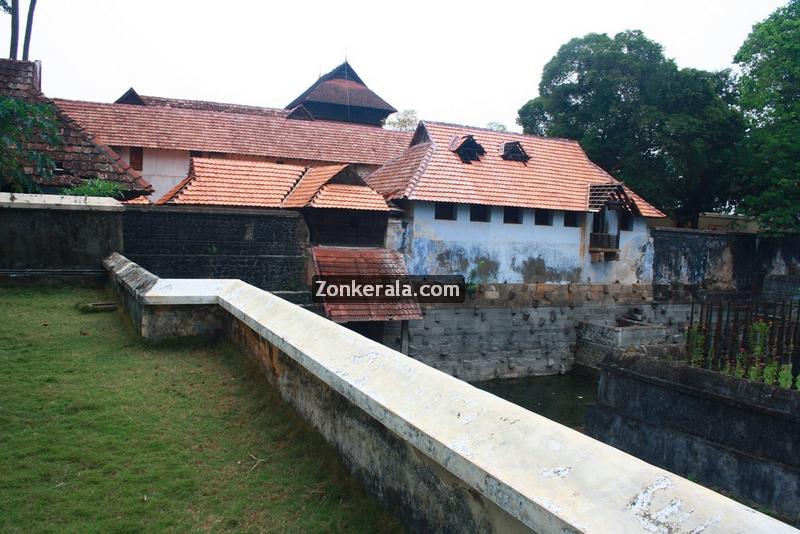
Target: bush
[95,187]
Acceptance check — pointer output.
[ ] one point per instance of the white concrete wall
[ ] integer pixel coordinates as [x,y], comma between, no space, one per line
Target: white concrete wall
[162,168]
[546,477]
[514,253]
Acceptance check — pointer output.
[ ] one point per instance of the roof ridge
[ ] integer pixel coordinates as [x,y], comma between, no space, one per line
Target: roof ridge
[295,186]
[499,132]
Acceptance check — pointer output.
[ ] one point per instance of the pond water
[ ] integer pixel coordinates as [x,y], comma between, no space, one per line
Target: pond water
[562,398]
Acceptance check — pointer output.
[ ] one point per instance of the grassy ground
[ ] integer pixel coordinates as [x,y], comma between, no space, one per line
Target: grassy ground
[100,431]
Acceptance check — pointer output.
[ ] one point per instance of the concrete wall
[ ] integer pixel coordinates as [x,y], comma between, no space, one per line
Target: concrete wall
[55,234]
[512,253]
[263,247]
[731,434]
[443,455]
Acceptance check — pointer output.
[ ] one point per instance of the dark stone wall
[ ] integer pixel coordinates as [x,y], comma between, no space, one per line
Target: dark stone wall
[58,239]
[731,434]
[264,248]
[718,261]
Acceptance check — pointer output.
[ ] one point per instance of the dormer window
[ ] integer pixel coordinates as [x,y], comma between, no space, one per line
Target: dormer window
[513,151]
[467,148]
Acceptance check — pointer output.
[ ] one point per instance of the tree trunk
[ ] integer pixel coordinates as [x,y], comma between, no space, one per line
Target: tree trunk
[14,29]
[28,29]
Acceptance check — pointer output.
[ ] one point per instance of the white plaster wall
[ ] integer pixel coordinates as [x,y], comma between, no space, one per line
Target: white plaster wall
[162,168]
[514,253]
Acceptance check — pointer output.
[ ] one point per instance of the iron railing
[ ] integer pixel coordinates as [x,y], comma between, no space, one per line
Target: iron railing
[603,241]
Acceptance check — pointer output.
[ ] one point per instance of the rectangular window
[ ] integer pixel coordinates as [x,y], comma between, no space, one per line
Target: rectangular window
[136,157]
[512,215]
[480,213]
[445,211]
[543,217]
[573,219]
[626,222]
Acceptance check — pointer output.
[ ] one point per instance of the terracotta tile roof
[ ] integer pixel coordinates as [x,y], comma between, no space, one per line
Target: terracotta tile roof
[557,176]
[349,196]
[315,190]
[346,261]
[310,184]
[79,156]
[344,87]
[223,182]
[141,200]
[227,132]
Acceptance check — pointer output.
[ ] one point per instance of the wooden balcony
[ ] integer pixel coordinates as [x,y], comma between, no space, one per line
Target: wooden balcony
[603,242]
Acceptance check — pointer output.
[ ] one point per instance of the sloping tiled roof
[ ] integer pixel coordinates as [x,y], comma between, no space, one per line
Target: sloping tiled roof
[222,182]
[310,184]
[79,156]
[378,262]
[344,87]
[251,134]
[349,196]
[557,176]
[314,191]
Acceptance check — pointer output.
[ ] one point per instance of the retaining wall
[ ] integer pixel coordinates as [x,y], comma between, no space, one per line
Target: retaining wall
[732,434]
[442,454]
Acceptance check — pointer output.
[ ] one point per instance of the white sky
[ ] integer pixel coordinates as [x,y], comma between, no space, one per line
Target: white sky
[465,62]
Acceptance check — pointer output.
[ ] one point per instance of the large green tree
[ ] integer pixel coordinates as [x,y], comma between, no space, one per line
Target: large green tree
[670,133]
[769,94]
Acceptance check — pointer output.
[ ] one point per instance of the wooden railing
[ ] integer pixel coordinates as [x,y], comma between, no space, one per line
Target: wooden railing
[603,241]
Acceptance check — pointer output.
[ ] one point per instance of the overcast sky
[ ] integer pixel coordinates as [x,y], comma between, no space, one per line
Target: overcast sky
[463,62]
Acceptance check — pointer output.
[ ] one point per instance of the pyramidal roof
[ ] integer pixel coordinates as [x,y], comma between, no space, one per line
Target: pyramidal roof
[342,86]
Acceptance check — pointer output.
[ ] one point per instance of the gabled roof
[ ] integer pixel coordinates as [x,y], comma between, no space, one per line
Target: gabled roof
[223,182]
[318,188]
[132,97]
[257,184]
[342,86]
[251,134]
[557,176]
[375,262]
[79,156]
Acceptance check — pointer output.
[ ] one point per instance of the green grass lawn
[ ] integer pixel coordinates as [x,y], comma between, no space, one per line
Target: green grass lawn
[101,431]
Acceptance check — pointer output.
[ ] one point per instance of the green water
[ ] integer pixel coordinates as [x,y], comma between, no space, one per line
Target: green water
[562,398]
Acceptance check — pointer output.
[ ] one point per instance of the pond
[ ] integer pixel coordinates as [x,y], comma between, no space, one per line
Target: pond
[562,398]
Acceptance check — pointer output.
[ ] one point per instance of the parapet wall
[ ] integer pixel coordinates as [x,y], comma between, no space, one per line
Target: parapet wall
[442,454]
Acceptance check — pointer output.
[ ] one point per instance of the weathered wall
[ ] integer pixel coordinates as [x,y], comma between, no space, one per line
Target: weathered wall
[50,233]
[265,248]
[443,455]
[507,331]
[519,253]
[731,434]
[719,261]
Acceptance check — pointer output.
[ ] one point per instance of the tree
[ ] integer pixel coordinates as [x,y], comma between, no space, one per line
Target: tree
[23,125]
[28,29]
[496,126]
[769,94]
[668,133]
[405,120]
[14,11]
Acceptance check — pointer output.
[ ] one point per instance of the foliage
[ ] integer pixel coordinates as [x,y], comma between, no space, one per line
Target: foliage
[104,432]
[696,344]
[769,94]
[785,376]
[405,120]
[23,124]
[669,133]
[95,187]
[496,126]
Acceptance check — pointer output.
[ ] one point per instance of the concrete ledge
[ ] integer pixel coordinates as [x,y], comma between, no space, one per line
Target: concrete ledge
[482,450]
[59,202]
